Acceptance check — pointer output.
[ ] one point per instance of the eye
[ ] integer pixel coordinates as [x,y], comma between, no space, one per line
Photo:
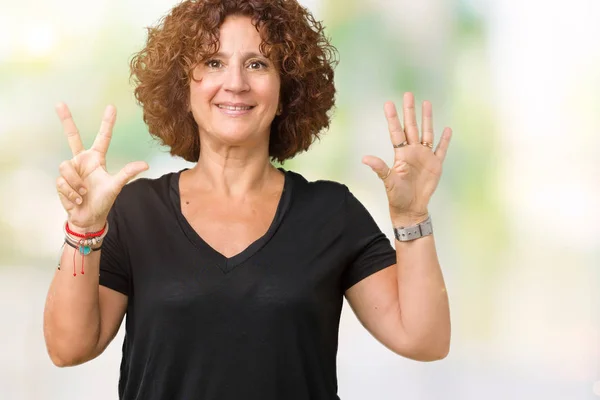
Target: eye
[257,64]
[213,63]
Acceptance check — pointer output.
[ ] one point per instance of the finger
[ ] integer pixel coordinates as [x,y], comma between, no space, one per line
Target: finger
[69,128]
[377,165]
[104,135]
[396,132]
[70,175]
[410,119]
[129,172]
[67,204]
[67,191]
[427,122]
[442,146]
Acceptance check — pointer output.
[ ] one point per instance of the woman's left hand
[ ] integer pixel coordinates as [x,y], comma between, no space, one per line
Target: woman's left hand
[416,171]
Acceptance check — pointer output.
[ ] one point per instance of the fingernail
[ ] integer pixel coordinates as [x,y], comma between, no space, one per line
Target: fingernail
[78,200]
[82,191]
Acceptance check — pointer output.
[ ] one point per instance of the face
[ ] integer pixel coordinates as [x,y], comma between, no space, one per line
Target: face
[235,94]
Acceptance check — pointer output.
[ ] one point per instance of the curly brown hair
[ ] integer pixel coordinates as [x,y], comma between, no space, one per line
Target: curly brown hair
[189,34]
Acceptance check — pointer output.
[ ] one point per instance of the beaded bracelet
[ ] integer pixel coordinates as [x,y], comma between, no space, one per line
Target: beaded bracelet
[86,249]
[87,240]
[83,243]
[77,247]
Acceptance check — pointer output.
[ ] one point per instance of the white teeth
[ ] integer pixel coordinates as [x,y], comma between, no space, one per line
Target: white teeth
[233,108]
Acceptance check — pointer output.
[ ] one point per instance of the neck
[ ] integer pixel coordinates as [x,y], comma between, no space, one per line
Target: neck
[232,171]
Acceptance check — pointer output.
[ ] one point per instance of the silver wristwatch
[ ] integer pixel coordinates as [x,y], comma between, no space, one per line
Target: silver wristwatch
[414,232]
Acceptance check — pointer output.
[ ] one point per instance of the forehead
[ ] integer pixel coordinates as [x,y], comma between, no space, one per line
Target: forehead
[237,33]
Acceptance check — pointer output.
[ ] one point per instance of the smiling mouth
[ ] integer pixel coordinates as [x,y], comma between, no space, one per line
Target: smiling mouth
[234,108]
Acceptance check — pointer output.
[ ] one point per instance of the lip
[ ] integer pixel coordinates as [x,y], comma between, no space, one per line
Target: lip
[227,103]
[234,113]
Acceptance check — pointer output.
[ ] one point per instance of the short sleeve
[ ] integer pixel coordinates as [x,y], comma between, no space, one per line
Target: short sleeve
[114,261]
[369,248]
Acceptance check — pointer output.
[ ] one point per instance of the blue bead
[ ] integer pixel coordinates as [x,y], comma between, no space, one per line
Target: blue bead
[85,250]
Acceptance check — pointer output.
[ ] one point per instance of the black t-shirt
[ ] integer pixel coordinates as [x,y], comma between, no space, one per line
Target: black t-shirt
[260,325]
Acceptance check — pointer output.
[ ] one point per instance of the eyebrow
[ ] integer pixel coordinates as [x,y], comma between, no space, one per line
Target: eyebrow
[250,54]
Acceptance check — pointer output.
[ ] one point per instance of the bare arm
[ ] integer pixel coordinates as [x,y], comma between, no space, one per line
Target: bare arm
[80,317]
[405,306]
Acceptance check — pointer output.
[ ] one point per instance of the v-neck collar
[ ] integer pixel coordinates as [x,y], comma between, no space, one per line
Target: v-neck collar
[227,264]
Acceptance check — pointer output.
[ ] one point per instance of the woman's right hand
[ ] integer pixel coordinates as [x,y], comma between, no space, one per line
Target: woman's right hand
[86,190]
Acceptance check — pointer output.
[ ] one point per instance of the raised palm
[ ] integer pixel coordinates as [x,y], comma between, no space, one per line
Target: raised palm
[416,170]
[87,170]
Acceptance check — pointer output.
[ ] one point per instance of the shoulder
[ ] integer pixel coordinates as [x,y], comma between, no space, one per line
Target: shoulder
[320,191]
[146,190]
[321,186]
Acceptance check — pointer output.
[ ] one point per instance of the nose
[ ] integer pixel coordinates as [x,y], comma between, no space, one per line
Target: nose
[235,79]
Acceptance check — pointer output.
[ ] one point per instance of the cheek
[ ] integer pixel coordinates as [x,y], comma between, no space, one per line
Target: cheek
[202,92]
[270,92]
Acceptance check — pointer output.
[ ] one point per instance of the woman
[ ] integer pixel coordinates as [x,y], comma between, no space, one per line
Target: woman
[232,273]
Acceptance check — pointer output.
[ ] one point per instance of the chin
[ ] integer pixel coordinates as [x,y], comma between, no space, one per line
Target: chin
[235,136]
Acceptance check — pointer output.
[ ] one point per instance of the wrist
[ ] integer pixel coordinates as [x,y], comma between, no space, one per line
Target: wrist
[82,230]
[407,233]
[86,241]
[408,218]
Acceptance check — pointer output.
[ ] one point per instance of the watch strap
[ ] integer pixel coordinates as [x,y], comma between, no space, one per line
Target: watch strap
[406,234]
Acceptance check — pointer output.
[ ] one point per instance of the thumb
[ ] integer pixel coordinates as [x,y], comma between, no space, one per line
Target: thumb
[377,165]
[129,172]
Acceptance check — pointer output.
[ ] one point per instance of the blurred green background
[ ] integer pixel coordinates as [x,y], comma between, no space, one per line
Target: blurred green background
[516,214]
